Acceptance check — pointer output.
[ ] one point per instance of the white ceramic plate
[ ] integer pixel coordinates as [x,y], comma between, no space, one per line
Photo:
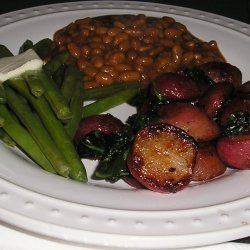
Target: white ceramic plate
[101,214]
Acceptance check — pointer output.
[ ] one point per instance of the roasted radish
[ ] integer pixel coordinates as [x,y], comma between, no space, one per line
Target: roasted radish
[234,106]
[162,158]
[105,123]
[235,151]
[222,72]
[94,134]
[175,87]
[191,119]
[208,165]
[214,99]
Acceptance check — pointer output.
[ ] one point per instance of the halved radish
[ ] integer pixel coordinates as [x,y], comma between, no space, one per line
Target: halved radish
[162,158]
[191,119]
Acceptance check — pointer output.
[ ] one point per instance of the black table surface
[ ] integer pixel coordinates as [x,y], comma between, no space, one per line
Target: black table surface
[238,10]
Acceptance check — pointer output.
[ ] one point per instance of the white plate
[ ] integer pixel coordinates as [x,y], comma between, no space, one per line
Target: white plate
[101,214]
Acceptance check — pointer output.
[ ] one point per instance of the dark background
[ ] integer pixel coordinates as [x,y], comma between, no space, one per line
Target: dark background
[236,9]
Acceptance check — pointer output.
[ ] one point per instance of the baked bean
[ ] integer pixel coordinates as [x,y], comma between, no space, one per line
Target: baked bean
[115,58]
[131,55]
[109,69]
[133,31]
[179,26]
[152,31]
[119,24]
[167,42]
[176,54]
[124,46]
[148,40]
[143,60]
[86,50]
[129,76]
[96,51]
[122,67]
[155,51]
[131,47]
[103,78]
[145,48]
[98,61]
[95,39]
[90,71]
[74,50]
[83,21]
[82,64]
[135,43]
[84,32]
[172,33]
[120,38]
[101,30]
[107,39]
[162,62]
[114,31]
[187,57]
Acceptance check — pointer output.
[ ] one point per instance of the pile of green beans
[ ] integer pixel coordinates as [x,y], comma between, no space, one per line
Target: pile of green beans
[41,117]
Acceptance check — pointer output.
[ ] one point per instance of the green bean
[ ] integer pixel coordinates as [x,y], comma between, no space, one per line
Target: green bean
[43,47]
[37,131]
[34,83]
[28,44]
[76,103]
[104,91]
[56,130]
[54,64]
[2,121]
[54,97]
[24,140]
[108,102]
[4,51]
[2,94]
[71,76]
[6,138]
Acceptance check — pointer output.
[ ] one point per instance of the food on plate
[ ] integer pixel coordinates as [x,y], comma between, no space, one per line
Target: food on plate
[222,72]
[191,119]
[162,158]
[215,98]
[123,48]
[208,165]
[178,87]
[235,151]
[193,113]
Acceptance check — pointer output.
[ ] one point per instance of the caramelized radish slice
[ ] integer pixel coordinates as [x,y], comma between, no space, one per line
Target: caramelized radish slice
[235,151]
[173,86]
[131,181]
[222,72]
[105,123]
[191,119]
[162,158]
[213,100]
[208,165]
[236,105]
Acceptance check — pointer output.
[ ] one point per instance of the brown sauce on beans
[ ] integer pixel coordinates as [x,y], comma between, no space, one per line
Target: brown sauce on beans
[124,48]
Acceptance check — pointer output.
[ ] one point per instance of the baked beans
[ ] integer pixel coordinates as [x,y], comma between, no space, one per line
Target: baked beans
[123,48]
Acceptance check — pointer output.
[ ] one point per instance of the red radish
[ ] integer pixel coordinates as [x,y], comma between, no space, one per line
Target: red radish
[105,123]
[173,86]
[222,72]
[162,158]
[208,165]
[235,151]
[191,119]
[214,99]
[236,105]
